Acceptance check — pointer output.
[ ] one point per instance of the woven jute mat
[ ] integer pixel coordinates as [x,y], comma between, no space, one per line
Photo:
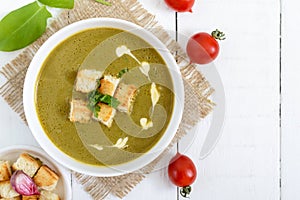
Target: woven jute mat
[197,89]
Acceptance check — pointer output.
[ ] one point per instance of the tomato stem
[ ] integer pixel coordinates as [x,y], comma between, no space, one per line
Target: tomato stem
[185,191]
[218,35]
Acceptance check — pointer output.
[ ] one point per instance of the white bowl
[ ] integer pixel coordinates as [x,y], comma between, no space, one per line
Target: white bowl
[30,107]
[63,188]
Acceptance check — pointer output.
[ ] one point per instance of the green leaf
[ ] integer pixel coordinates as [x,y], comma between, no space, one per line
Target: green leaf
[58,3]
[96,97]
[122,72]
[104,2]
[114,102]
[109,100]
[23,26]
[96,110]
[106,99]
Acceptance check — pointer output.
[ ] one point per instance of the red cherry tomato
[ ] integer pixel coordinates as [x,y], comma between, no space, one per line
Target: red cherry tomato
[181,5]
[182,172]
[203,48]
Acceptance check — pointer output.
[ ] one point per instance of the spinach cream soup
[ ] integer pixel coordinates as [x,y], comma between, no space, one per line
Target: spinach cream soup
[131,133]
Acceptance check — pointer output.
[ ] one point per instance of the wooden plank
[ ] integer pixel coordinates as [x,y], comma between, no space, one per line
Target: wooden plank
[290,100]
[245,163]
[13,130]
[157,184]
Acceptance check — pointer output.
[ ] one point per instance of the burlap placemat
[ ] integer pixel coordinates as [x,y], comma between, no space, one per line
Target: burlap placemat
[197,88]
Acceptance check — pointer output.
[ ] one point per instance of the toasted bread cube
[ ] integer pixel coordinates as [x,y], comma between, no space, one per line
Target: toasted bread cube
[125,95]
[14,198]
[106,114]
[86,80]
[32,197]
[28,164]
[46,178]
[5,171]
[108,85]
[47,195]
[79,111]
[6,190]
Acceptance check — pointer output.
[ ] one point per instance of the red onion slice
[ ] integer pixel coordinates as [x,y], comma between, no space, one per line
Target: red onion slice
[23,184]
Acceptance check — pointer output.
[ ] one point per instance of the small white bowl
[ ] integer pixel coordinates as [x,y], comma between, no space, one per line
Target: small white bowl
[63,188]
[30,107]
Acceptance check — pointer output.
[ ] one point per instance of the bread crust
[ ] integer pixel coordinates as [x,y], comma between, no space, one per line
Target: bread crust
[125,95]
[14,198]
[106,114]
[46,178]
[6,190]
[5,171]
[86,80]
[32,197]
[79,112]
[108,85]
[28,164]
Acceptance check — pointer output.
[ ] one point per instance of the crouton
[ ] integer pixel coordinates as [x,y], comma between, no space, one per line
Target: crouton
[108,85]
[47,195]
[79,111]
[27,164]
[5,171]
[6,190]
[106,114]
[32,197]
[125,95]
[87,80]
[45,178]
[14,198]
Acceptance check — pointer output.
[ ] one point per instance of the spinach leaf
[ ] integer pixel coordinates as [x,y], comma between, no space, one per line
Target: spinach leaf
[109,100]
[23,26]
[96,110]
[58,3]
[104,2]
[122,72]
[96,97]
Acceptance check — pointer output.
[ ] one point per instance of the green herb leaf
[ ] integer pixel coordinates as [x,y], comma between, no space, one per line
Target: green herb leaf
[58,3]
[93,101]
[114,102]
[96,97]
[96,110]
[122,72]
[104,2]
[23,26]
[109,100]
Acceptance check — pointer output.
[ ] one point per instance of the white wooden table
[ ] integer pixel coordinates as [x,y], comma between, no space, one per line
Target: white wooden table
[258,155]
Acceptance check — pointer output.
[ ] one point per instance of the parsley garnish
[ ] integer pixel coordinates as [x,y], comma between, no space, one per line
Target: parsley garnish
[109,100]
[122,72]
[95,97]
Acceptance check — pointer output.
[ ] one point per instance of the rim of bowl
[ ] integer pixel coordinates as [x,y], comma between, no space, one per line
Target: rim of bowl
[44,156]
[30,101]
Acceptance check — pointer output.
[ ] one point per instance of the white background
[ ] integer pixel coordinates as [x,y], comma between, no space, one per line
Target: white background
[258,155]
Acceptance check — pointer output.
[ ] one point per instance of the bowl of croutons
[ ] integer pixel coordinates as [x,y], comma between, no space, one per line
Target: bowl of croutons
[27,172]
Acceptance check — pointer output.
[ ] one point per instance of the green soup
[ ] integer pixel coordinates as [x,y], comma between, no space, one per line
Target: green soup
[55,89]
